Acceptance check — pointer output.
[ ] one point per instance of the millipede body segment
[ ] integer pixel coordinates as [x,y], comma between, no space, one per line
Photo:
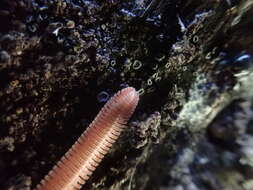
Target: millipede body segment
[77,165]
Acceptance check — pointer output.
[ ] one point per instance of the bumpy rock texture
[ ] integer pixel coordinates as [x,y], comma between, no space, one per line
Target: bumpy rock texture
[191,61]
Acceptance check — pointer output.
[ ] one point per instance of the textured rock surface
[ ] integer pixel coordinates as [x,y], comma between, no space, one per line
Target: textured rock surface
[191,61]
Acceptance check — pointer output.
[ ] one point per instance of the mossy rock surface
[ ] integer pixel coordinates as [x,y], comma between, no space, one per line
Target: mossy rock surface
[190,60]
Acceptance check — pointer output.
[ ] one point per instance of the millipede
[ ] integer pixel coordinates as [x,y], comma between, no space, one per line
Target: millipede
[78,164]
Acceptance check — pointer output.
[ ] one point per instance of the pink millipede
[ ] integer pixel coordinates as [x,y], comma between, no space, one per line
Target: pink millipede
[78,164]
